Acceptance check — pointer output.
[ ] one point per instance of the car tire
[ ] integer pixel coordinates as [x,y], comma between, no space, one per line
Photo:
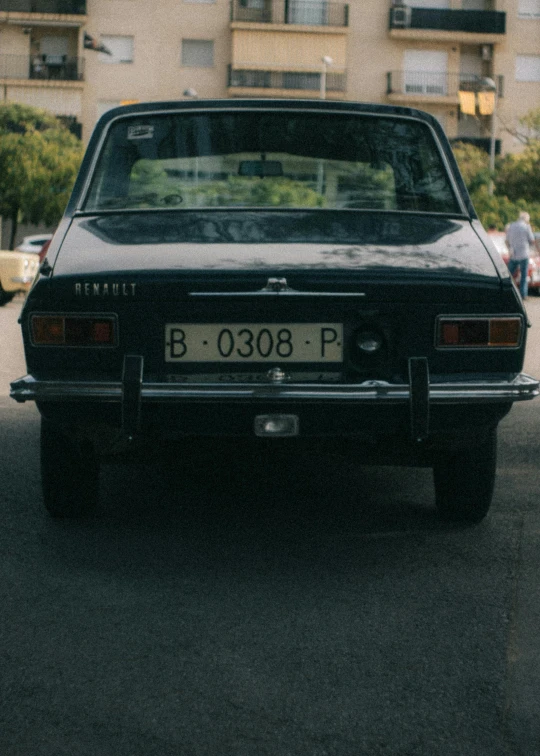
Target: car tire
[69,474]
[464,481]
[5,296]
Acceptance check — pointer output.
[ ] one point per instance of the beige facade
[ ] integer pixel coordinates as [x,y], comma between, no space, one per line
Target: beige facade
[419,55]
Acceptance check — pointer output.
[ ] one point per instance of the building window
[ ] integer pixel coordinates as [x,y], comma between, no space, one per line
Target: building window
[120,48]
[301,80]
[198,53]
[429,4]
[527,67]
[425,72]
[529,9]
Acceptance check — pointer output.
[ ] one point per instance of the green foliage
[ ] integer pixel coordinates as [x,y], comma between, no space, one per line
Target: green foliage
[498,211]
[516,179]
[39,160]
[473,164]
[530,124]
[151,186]
[148,175]
[18,119]
[273,192]
[368,186]
[518,175]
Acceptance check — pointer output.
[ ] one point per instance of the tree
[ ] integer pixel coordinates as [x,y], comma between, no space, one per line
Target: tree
[518,176]
[496,210]
[517,179]
[528,129]
[150,185]
[39,160]
[474,165]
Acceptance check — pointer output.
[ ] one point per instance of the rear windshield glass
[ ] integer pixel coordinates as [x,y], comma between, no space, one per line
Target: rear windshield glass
[270,160]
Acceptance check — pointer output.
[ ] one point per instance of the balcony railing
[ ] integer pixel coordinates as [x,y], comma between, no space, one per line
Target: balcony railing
[475,21]
[300,80]
[58,67]
[435,84]
[304,12]
[68,7]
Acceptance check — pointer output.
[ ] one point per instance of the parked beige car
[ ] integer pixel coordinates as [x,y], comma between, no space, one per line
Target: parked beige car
[17,271]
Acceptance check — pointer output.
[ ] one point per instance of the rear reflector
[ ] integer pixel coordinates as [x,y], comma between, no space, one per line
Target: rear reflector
[73,330]
[478,332]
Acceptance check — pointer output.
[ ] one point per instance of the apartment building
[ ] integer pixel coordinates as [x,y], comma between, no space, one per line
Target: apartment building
[80,57]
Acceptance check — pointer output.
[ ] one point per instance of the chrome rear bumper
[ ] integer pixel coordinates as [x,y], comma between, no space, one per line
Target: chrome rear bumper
[520,388]
[419,393]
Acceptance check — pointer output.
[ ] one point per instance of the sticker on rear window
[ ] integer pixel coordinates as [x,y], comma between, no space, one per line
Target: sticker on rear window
[140,132]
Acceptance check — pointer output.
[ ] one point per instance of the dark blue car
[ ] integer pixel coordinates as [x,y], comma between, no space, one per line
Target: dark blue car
[293,272]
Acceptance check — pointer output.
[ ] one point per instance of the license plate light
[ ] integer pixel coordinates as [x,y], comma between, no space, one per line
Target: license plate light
[277,425]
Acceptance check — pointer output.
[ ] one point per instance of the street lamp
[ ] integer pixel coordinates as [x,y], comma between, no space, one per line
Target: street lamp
[490,86]
[326,61]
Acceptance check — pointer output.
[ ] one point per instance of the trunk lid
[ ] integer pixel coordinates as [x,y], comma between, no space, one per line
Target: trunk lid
[169,254]
[387,274]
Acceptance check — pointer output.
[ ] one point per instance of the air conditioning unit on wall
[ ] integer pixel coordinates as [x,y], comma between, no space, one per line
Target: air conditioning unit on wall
[400,16]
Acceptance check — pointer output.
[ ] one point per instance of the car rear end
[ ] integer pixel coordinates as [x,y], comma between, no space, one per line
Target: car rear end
[326,340]
[284,271]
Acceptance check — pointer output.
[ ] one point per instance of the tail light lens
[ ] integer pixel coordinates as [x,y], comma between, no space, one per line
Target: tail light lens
[43,250]
[74,330]
[498,332]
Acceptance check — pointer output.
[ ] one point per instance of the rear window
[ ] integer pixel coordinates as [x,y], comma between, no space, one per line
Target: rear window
[271,160]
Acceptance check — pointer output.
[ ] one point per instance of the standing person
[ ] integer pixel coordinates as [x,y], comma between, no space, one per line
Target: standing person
[519,236]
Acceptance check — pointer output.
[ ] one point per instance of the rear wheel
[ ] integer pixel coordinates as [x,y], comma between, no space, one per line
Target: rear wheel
[465,479]
[69,474]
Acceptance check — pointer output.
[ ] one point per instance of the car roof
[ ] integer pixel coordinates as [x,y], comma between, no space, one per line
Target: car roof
[266,104]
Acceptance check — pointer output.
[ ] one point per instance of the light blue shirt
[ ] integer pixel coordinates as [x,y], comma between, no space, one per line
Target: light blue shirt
[518,236]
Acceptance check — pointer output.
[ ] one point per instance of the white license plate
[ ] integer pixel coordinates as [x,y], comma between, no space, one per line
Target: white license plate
[254,342]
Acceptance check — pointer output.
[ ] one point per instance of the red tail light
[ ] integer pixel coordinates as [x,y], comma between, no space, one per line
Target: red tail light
[74,330]
[498,332]
[43,250]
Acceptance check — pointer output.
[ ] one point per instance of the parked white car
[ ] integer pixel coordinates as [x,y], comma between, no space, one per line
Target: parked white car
[33,243]
[17,272]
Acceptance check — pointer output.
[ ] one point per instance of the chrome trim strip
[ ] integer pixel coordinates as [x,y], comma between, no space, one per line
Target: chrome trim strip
[264,293]
[522,387]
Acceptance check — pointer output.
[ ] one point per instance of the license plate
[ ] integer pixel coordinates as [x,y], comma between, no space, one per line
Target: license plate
[254,342]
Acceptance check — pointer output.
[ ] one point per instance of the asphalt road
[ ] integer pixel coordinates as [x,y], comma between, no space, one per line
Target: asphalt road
[274,607]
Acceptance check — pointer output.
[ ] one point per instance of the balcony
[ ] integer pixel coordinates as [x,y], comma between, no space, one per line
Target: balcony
[425,86]
[482,26]
[65,7]
[296,12]
[46,67]
[288,82]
